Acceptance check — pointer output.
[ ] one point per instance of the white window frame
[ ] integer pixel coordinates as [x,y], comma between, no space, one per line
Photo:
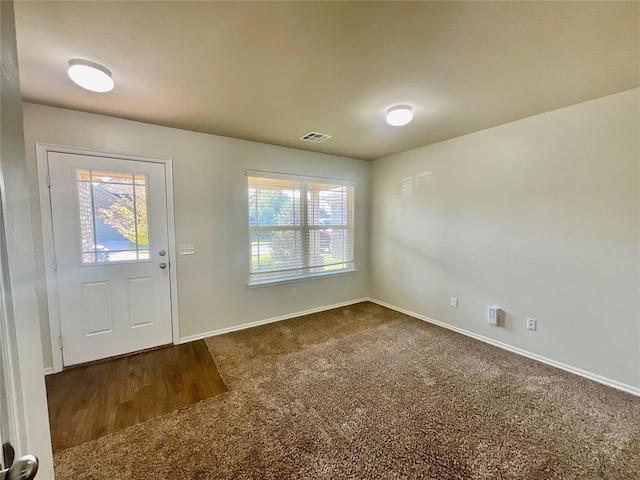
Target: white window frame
[304,226]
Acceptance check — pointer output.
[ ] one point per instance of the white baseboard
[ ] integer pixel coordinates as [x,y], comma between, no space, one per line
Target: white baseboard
[534,356]
[200,336]
[235,328]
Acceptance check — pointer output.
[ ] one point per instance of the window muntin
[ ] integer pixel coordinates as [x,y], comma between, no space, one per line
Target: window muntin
[112,211]
[299,226]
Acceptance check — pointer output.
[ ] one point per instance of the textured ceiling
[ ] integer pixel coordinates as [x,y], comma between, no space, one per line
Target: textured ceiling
[273,71]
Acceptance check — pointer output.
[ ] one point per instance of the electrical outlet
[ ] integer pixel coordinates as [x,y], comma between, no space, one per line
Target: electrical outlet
[293,292]
[532,324]
[454,302]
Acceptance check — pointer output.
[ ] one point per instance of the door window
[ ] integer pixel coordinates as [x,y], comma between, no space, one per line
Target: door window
[112,212]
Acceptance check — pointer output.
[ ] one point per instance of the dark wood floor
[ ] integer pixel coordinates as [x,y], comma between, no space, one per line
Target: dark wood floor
[97,399]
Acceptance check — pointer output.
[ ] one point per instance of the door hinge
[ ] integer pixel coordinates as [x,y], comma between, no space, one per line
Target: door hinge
[60,342]
[48,179]
[55,263]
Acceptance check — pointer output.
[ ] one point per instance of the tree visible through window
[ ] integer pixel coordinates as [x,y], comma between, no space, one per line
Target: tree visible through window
[299,226]
[127,217]
[112,211]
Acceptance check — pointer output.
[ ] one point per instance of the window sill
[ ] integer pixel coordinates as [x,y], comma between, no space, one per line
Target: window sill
[269,283]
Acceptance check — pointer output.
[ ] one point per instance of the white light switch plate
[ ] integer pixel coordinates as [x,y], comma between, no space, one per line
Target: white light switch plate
[187,249]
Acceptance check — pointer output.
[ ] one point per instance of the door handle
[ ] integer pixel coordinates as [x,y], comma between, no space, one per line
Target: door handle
[163,266]
[25,468]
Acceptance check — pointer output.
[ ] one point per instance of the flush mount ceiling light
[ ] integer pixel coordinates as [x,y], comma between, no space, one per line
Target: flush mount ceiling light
[399,115]
[91,76]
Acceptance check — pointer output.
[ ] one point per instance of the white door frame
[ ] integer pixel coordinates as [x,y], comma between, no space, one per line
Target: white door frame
[42,154]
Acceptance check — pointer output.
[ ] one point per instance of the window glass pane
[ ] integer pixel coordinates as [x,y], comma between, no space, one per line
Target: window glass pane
[142,229]
[111,177]
[83,175]
[113,216]
[113,219]
[85,210]
[279,250]
[341,246]
[327,204]
[330,249]
[274,202]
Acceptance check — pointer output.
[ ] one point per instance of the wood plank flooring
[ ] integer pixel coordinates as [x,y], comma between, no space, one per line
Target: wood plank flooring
[100,398]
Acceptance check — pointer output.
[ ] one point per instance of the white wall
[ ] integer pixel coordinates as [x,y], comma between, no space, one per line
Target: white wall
[211,212]
[538,216]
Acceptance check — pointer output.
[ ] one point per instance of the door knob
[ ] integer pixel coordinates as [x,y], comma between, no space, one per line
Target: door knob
[25,468]
[162,265]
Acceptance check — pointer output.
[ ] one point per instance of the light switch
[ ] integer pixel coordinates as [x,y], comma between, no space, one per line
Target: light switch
[187,249]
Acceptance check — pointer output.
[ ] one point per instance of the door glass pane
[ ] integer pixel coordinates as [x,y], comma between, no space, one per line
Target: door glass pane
[111,177]
[113,212]
[142,229]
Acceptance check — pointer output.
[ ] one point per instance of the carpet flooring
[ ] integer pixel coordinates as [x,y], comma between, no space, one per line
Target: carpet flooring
[363,392]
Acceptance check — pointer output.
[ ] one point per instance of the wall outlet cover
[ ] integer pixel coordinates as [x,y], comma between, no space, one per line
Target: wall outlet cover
[532,324]
[493,315]
[187,249]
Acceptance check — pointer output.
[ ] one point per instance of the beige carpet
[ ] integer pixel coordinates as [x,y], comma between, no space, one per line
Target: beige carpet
[363,392]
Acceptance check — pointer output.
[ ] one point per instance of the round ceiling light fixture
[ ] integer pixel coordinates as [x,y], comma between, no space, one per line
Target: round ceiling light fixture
[91,76]
[399,115]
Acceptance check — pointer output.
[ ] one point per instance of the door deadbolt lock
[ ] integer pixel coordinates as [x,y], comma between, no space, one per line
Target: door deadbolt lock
[162,253]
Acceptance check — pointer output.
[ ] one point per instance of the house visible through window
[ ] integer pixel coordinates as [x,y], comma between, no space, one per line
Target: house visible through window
[299,226]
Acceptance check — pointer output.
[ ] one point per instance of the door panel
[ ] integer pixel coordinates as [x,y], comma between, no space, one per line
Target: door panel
[110,234]
[140,313]
[96,308]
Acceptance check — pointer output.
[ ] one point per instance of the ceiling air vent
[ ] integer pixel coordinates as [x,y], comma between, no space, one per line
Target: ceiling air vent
[315,137]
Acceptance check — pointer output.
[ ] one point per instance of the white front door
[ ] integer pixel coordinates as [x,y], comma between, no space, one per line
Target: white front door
[111,244]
